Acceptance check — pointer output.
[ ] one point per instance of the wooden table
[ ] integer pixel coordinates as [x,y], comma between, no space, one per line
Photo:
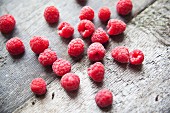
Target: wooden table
[144,88]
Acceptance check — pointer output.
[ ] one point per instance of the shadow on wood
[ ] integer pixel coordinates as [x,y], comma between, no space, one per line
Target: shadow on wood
[136,68]
[72,94]
[106,109]
[82,2]
[118,38]
[15,57]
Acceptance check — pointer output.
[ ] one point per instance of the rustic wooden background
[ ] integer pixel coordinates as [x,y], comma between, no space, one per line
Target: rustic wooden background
[141,89]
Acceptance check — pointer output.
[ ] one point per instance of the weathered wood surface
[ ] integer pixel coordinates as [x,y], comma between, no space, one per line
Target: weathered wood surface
[135,88]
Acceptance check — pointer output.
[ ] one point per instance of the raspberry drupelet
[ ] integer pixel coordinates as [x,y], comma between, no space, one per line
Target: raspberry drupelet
[48,57]
[38,86]
[86,28]
[7,23]
[61,67]
[70,82]
[104,98]
[115,27]
[120,54]
[51,14]
[65,30]
[96,52]
[15,46]
[124,7]
[136,57]
[100,36]
[38,44]
[104,13]
[86,13]
[76,47]
[96,71]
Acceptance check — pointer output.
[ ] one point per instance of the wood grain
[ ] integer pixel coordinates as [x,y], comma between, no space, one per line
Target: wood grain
[17,72]
[141,89]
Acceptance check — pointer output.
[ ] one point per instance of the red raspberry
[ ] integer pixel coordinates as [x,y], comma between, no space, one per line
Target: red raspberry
[136,57]
[104,13]
[48,57]
[65,30]
[38,86]
[70,82]
[104,98]
[115,27]
[121,54]
[124,7]
[100,36]
[96,72]
[61,67]
[86,13]
[15,46]
[7,23]
[51,14]
[76,47]
[96,52]
[38,44]
[86,28]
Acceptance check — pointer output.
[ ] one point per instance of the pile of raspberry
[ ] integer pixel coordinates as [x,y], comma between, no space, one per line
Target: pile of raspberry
[95,52]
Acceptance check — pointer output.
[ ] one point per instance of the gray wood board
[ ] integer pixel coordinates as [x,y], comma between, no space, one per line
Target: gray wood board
[17,72]
[142,89]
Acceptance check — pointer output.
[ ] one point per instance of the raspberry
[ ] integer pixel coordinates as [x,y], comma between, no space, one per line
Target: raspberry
[96,52]
[65,30]
[86,13]
[86,28]
[115,27]
[136,57]
[104,13]
[104,98]
[121,54]
[124,7]
[38,44]
[7,23]
[48,57]
[100,36]
[38,86]
[96,72]
[76,47]
[70,82]
[51,14]
[61,67]
[15,46]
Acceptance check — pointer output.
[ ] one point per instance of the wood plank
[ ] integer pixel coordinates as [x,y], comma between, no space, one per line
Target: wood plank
[141,89]
[17,72]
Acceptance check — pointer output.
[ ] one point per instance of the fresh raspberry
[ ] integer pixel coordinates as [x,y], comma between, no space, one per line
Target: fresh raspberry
[115,27]
[124,7]
[104,13]
[104,98]
[38,44]
[15,46]
[100,36]
[61,67]
[7,23]
[96,52]
[38,86]
[70,82]
[48,57]
[86,28]
[86,13]
[136,57]
[65,30]
[51,14]
[76,47]
[121,54]
[96,72]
